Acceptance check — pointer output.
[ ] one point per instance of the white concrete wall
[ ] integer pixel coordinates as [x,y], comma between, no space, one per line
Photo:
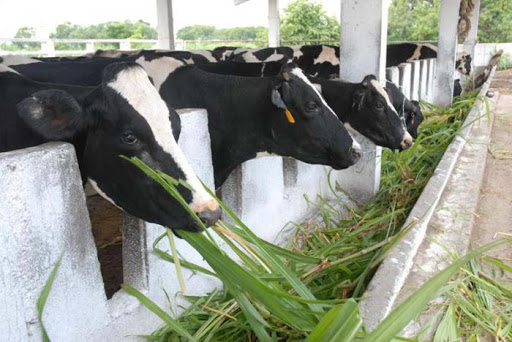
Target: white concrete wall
[43,214]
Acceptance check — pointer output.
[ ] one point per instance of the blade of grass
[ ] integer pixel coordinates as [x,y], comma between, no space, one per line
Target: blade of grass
[149,304]
[43,297]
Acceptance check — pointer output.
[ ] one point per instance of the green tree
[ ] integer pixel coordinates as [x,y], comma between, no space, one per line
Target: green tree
[26,32]
[196,32]
[306,20]
[495,22]
[108,30]
[412,20]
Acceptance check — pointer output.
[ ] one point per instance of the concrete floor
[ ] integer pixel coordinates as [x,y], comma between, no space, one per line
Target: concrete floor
[493,218]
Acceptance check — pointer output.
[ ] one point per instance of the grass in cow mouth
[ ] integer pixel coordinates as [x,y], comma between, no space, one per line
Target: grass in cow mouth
[308,291]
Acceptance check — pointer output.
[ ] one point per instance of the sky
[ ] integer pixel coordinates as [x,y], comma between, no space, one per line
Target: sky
[45,15]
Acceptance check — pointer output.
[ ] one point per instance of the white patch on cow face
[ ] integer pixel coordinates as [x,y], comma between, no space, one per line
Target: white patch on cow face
[133,85]
[328,54]
[206,54]
[298,72]
[17,60]
[351,131]
[159,68]
[102,194]
[416,55]
[384,94]
[297,53]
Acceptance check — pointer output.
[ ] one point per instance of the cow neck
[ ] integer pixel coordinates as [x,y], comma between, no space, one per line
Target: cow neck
[338,95]
[239,111]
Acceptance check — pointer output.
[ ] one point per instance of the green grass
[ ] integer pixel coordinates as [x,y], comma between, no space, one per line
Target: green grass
[305,291]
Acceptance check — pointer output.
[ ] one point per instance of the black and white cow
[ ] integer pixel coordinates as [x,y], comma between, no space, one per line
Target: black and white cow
[364,106]
[316,60]
[248,115]
[124,115]
[324,60]
[410,110]
[283,115]
[407,52]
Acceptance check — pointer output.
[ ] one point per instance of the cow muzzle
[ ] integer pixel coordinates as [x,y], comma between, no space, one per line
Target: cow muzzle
[407,141]
[209,213]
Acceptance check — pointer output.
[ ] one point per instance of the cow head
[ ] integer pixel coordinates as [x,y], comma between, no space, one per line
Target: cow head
[123,116]
[463,63]
[374,116]
[410,110]
[305,127]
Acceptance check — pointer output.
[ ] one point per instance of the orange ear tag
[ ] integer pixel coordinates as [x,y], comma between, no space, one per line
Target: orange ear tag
[289,116]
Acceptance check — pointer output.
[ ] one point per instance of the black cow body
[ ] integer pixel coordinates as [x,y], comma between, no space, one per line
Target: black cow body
[248,115]
[124,115]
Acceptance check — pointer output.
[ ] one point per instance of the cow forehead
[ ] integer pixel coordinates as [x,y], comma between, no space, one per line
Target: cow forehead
[383,93]
[159,68]
[133,84]
[298,72]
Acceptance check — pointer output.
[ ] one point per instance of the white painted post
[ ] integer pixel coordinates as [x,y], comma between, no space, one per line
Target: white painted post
[470,42]
[447,50]
[48,48]
[125,45]
[393,75]
[415,80]
[89,47]
[165,25]
[423,78]
[364,27]
[405,78]
[274,38]
[431,77]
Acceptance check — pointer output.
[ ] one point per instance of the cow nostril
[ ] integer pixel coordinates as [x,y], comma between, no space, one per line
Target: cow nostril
[406,143]
[210,217]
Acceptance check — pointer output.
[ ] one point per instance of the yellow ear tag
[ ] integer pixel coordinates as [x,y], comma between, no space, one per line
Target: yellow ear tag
[289,116]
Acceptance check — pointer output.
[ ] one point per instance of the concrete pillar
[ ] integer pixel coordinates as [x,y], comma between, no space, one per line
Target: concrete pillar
[415,80]
[471,40]
[431,76]
[165,26]
[404,70]
[447,50]
[364,27]
[423,79]
[274,36]
[393,75]
[43,217]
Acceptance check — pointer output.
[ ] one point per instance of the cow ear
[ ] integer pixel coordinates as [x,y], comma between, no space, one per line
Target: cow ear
[367,79]
[358,100]
[277,100]
[54,114]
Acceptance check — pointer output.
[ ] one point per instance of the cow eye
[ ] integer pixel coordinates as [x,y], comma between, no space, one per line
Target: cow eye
[311,106]
[379,105]
[129,138]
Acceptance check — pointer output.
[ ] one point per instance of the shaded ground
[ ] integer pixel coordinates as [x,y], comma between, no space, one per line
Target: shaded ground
[494,215]
[106,221]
